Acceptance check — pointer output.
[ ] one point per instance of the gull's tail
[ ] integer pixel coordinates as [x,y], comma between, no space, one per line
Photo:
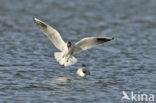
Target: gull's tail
[63,61]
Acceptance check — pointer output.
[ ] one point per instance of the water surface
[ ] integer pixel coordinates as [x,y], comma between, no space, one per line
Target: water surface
[30,74]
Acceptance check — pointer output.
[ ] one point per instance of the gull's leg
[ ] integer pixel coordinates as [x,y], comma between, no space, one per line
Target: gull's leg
[68,56]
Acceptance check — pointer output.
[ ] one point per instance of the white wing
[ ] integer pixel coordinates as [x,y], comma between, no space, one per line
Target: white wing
[87,43]
[52,34]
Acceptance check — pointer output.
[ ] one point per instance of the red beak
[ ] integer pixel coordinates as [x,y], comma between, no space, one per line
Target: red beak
[68,47]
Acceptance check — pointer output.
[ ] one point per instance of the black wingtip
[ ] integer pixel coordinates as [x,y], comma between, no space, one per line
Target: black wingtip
[112,38]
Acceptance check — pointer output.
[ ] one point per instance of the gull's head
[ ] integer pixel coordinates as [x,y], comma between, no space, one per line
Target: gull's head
[68,45]
[83,71]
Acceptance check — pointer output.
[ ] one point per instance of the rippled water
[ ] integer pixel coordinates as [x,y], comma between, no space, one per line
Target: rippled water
[30,74]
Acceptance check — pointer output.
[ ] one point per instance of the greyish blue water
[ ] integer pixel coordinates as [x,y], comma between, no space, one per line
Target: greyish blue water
[30,74]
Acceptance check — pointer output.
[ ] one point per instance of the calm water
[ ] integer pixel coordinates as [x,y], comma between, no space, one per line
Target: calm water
[30,74]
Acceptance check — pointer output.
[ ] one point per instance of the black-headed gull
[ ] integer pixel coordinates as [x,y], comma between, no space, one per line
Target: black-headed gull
[83,71]
[65,56]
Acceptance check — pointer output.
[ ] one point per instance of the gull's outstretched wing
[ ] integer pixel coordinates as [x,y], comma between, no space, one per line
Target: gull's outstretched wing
[52,34]
[87,43]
